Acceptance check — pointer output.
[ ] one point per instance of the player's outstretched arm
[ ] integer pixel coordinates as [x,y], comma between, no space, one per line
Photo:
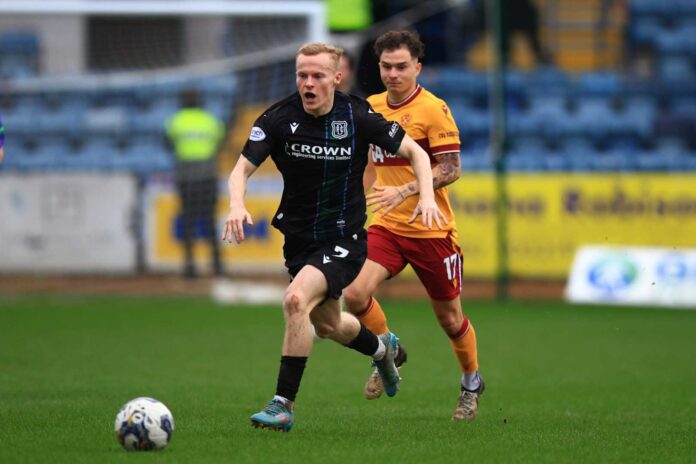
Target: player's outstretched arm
[238,215]
[420,162]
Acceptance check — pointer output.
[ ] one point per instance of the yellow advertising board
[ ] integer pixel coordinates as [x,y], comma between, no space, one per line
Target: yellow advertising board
[551,215]
[262,249]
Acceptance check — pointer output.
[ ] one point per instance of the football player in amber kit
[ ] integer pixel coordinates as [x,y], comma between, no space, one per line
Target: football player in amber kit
[393,240]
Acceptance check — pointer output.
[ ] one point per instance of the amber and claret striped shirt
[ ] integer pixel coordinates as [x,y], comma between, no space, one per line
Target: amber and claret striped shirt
[427,120]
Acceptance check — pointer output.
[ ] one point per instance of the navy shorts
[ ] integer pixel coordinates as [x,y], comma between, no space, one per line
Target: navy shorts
[340,260]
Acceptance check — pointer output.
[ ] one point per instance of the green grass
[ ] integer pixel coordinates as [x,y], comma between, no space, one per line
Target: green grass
[564,384]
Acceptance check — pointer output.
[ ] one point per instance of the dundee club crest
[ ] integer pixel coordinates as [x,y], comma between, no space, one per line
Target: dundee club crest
[339,129]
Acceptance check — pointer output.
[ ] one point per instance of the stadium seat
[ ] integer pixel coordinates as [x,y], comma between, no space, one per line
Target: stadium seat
[673,69]
[578,162]
[547,115]
[107,120]
[45,157]
[643,30]
[613,162]
[220,107]
[473,122]
[593,117]
[650,161]
[154,118]
[529,144]
[578,146]
[547,80]
[144,157]
[684,106]
[557,162]
[475,161]
[220,86]
[604,84]
[647,7]
[97,153]
[525,160]
[636,118]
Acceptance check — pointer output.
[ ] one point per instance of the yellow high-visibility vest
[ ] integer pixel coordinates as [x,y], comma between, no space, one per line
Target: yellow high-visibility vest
[195,134]
[349,15]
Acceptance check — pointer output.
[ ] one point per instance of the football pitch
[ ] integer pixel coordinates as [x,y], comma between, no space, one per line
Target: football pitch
[564,384]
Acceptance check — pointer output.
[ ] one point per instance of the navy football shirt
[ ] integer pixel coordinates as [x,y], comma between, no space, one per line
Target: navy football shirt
[322,160]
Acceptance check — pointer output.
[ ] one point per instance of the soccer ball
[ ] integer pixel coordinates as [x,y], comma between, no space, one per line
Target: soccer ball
[144,424]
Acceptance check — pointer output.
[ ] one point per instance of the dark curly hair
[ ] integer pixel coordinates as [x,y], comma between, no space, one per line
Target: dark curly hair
[394,40]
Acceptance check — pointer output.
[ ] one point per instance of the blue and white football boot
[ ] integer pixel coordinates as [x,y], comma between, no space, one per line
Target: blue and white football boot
[275,416]
[386,368]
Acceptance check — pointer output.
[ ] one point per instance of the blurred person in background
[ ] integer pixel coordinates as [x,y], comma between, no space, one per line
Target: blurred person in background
[346,66]
[348,15]
[393,241]
[319,140]
[195,137]
[518,16]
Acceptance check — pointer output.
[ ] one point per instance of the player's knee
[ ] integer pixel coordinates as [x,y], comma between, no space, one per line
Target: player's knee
[293,303]
[355,298]
[450,323]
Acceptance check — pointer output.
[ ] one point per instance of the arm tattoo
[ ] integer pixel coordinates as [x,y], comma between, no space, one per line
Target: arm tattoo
[447,169]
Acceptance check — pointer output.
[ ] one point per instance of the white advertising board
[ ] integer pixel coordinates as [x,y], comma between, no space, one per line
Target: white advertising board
[634,276]
[67,223]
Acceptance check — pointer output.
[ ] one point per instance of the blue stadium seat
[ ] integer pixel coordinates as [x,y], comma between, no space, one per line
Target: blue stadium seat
[456,80]
[144,157]
[685,7]
[557,162]
[529,144]
[155,118]
[97,153]
[636,118]
[670,144]
[604,84]
[106,120]
[66,119]
[524,160]
[627,143]
[680,161]
[683,162]
[547,81]
[45,157]
[580,163]
[473,123]
[220,107]
[475,161]
[523,123]
[650,161]
[578,146]
[684,106]
[676,69]
[676,41]
[594,117]
[613,162]
[643,30]
[220,86]
[547,115]
[647,7]
[20,120]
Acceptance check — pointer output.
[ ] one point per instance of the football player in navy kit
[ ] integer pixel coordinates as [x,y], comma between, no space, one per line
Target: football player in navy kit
[320,139]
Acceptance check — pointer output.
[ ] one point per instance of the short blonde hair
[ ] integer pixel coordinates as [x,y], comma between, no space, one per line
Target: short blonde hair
[317,48]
